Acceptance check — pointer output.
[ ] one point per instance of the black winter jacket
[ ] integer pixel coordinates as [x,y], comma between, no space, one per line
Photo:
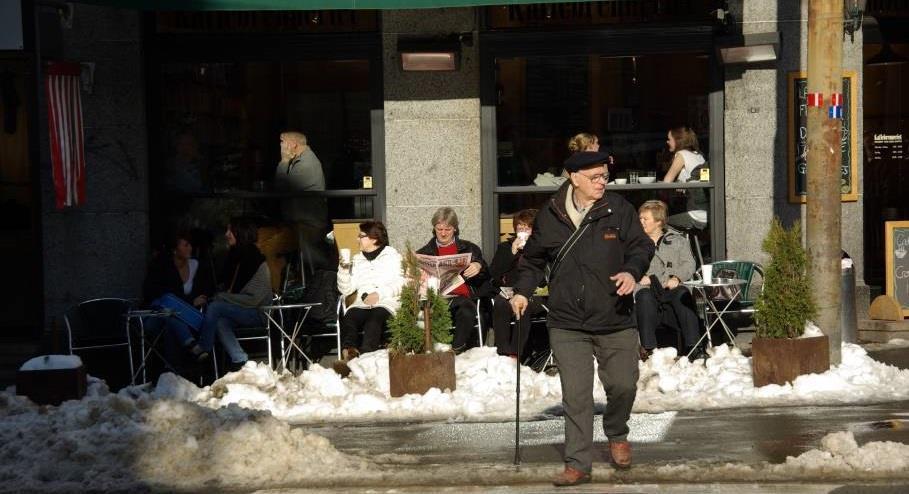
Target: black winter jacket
[581,295]
[163,277]
[476,283]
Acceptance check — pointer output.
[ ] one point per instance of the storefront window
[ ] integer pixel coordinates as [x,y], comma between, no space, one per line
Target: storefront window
[629,103]
[221,122]
[625,101]
[219,138]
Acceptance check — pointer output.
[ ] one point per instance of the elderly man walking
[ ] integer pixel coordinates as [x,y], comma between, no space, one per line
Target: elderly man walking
[595,248]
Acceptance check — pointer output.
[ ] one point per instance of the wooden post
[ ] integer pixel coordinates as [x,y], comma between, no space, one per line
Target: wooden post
[427,325]
[823,225]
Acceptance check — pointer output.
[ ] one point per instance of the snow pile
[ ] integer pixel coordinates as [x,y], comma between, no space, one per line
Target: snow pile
[124,442]
[724,381]
[52,362]
[842,457]
[485,391]
[486,388]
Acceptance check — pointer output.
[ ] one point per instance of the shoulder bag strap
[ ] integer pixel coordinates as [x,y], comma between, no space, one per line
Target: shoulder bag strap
[566,248]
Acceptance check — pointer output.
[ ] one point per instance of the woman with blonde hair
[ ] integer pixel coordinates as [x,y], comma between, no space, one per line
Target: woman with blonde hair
[660,297]
[584,142]
[687,157]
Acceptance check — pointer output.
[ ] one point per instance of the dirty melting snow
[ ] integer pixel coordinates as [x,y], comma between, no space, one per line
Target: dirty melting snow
[134,441]
[237,433]
[486,388]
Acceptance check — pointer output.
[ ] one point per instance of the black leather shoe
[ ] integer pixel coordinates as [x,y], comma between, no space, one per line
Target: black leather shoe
[235,366]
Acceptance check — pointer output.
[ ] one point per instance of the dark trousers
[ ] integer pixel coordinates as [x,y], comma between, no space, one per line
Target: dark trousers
[464,316]
[675,310]
[616,355]
[370,321]
[506,336]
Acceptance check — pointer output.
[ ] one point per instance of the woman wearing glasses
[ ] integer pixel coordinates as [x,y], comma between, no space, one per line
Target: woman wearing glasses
[372,279]
[463,299]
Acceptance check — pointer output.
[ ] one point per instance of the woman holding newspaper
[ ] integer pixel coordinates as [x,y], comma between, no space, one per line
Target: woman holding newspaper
[462,295]
[371,281]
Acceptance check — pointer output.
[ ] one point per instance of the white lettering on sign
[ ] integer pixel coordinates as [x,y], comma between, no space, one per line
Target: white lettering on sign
[882,138]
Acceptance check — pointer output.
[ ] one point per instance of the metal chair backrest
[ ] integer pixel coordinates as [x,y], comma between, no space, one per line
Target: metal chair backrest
[743,270]
[100,324]
[101,320]
[330,329]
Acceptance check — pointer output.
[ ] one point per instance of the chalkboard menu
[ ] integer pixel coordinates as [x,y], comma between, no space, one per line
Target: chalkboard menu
[798,137]
[888,147]
[897,255]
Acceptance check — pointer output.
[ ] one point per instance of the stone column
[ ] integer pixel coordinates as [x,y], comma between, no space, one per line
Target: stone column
[756,144]
[100,249]
[432,130]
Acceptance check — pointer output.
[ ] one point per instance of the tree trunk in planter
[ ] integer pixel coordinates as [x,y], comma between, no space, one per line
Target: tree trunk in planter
[781,360]
[416,373]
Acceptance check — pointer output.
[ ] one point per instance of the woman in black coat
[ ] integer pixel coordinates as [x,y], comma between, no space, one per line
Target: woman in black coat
[175,272]
[503,272]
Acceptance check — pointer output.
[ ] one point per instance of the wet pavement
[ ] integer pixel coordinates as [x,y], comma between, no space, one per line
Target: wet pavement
[745,435]
[479,457]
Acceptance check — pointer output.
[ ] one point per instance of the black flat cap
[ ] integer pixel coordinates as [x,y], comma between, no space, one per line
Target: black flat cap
[584,159]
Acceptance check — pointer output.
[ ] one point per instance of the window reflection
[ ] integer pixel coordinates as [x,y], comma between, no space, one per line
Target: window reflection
[219,128]
[625,101]
[220,122]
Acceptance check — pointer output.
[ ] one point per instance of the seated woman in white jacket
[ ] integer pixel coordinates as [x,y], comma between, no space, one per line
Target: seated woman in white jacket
[374,276]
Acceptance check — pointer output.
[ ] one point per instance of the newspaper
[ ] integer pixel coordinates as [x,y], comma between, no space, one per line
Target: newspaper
[446,269]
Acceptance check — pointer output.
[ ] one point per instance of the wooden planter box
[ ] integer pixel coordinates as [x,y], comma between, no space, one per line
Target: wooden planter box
[51,386]
[781,360]
[417,373]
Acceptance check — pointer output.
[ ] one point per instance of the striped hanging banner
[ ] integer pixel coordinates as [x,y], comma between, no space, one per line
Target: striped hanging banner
[64,116]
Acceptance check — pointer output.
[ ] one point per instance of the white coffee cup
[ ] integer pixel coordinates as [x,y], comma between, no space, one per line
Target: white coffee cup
[707,273]
[522,238]
[345,256]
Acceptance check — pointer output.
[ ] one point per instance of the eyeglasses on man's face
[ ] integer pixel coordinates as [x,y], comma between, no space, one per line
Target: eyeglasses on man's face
[362,235]
[599,177]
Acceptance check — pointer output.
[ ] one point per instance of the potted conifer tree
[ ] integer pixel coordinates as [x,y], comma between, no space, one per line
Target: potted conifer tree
[413,364]
[779,353]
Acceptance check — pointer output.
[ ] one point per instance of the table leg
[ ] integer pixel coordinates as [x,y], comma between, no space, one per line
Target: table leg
[719,316]
[129,347]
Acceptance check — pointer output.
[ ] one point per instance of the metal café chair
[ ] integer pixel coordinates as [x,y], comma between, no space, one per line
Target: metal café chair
[100,324]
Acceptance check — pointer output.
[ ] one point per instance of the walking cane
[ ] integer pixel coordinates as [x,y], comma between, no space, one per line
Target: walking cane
[517,403]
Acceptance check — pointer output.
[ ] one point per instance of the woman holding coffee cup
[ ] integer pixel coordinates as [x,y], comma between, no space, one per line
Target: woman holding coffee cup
[371,283]
[503,270]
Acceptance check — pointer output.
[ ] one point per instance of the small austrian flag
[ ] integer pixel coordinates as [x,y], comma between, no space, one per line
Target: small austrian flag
[816,99]
[835,111]
[836,99]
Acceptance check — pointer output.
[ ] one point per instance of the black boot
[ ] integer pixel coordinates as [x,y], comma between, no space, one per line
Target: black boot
[696,354]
